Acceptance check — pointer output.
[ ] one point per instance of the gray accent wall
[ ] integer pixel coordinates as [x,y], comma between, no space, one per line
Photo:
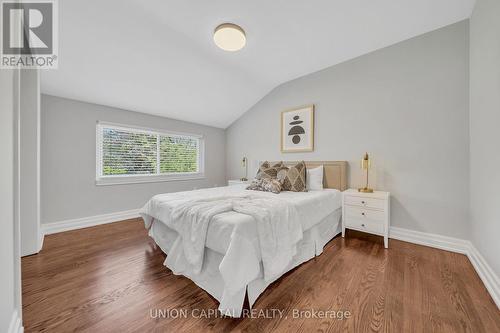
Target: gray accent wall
[484,130]
[68,166]
[407,105]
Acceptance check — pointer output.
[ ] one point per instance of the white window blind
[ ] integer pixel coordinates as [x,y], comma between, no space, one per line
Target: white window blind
[141,154]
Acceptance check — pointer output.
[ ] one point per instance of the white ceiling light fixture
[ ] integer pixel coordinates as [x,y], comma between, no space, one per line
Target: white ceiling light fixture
[230,37]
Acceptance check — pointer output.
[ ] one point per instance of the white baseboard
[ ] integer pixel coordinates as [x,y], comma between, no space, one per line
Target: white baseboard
[16,325]
[485,272]
[85,222]
[41,238]
[432,240]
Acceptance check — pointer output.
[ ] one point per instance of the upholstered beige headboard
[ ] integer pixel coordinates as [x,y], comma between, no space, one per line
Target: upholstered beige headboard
[334,173]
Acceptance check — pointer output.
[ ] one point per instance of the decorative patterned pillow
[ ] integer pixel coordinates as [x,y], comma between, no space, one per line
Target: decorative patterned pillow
[295,178]
[281,174]
[266,185]
[268,171]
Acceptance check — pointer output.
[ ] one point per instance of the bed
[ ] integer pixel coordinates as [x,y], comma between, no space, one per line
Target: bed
[233,252]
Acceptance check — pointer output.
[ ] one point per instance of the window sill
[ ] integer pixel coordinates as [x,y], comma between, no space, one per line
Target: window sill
[121,180]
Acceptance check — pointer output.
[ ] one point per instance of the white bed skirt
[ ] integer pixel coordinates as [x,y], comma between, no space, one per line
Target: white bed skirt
[210,278]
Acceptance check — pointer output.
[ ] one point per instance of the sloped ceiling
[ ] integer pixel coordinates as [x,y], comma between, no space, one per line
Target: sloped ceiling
[158,57]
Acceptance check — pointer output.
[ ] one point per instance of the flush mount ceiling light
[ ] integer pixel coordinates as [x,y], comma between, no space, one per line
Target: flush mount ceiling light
[230,37]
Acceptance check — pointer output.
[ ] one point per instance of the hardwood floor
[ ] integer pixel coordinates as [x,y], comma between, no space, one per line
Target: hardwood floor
[108,278]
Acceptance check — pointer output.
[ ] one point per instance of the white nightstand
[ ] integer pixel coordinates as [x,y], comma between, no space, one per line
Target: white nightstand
[237,182]
[367,212]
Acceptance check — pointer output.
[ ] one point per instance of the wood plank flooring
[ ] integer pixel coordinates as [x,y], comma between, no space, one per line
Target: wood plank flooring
[111,278]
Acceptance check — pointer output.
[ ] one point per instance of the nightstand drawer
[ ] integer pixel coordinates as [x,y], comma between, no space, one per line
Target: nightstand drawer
[365,225]
[364,202]
[363,213]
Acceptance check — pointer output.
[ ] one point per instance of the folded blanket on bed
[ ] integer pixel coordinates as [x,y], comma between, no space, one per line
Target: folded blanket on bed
[190,220]
[278,227]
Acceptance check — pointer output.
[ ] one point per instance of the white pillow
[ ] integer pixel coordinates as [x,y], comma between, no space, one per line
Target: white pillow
[314,179]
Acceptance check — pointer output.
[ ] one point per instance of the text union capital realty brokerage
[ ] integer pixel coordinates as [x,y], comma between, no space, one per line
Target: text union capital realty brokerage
[246,313]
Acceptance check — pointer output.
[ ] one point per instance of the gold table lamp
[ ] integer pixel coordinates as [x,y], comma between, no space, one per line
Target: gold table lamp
[365,165]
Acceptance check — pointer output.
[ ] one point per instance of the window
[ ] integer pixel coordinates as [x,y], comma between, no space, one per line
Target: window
[133,155]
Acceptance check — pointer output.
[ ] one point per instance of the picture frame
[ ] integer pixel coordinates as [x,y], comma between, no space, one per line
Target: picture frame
[297,129]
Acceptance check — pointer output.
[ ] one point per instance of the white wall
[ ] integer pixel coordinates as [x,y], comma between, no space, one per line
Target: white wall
[9,247]
[30,162]
[406,104]
[484,129]
[68,151]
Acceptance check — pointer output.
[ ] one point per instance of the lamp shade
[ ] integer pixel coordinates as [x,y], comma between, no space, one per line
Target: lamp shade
[365,162]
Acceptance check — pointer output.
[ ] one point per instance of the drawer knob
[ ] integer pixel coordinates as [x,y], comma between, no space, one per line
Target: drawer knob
[363,202]
[363,225]
[363,214]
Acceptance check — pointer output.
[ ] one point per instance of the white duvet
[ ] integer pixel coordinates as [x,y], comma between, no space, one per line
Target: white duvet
[277,224]
[264,228]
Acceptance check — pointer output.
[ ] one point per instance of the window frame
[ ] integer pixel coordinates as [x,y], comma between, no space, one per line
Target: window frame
[147,178]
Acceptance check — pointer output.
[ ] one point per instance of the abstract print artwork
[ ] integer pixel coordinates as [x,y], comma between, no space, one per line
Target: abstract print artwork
[297,129]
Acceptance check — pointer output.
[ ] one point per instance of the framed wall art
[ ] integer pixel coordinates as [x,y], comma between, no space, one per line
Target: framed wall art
[297,130]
